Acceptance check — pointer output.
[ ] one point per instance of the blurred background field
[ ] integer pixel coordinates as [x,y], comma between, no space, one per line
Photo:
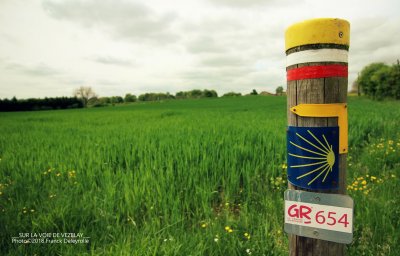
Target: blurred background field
[183,177]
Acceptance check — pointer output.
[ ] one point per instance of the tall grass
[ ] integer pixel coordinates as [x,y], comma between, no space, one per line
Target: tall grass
[188,177]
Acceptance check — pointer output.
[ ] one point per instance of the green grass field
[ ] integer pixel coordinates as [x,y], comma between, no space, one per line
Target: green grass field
[183,177]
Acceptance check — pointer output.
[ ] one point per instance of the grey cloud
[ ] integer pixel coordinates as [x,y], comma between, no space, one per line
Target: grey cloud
[238,56]
[10,39]
[268,78]
[213,26]
[128,20]
[40,70]
[109,60]
[249,3]
[204,44]
[223,61]
[369,35]
[227,35]
[230,79]
[373,40]
[216,75]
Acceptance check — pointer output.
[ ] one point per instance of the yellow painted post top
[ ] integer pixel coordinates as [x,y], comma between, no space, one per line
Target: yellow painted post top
[318,31]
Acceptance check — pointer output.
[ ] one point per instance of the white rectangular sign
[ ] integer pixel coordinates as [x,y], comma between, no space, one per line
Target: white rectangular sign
[319,216]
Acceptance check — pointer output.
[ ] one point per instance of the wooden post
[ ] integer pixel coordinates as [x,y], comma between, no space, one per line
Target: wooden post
[322,45]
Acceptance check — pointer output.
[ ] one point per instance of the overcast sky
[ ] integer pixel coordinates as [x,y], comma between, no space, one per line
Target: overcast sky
[49,47]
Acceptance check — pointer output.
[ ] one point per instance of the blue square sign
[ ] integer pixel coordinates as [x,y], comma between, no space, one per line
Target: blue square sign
[313,156]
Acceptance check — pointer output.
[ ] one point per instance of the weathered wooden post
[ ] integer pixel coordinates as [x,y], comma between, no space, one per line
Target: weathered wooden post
[317,77]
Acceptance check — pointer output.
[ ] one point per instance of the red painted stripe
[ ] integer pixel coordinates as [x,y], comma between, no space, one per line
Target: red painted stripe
[311,72]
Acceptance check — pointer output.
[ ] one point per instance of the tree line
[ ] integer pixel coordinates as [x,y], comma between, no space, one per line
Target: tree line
[151,96]
[85,96]
[380,81]
[15,104]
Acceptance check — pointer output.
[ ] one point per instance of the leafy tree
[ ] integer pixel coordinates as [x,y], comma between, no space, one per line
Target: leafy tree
[230,94]
[279,90]
[85,93]
[254,92]
[380,81]
[365,81]
[104,100]
[195,93]
[210,94]
[130,98]
[394,80]
[181,95]
[116,99]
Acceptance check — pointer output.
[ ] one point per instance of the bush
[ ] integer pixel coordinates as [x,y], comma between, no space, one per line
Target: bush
[380,81]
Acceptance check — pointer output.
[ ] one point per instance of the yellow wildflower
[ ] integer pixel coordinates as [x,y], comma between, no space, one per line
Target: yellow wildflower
[228,229]
[71,174]
[373,178]
[364,182]
[204,225]
[58,174]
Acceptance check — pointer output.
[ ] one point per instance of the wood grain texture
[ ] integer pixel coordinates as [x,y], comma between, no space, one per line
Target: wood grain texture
[316,91]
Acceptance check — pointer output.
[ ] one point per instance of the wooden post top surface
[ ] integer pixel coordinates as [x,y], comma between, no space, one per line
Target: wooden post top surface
[318,31]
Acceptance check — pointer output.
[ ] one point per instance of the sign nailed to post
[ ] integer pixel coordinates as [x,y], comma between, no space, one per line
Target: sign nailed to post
[313,157]
[318,215]
[338,110]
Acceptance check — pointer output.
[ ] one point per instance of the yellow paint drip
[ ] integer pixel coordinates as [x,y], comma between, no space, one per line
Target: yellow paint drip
[318,31]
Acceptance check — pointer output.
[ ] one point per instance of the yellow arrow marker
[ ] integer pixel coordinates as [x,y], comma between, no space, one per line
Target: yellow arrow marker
[338,110]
